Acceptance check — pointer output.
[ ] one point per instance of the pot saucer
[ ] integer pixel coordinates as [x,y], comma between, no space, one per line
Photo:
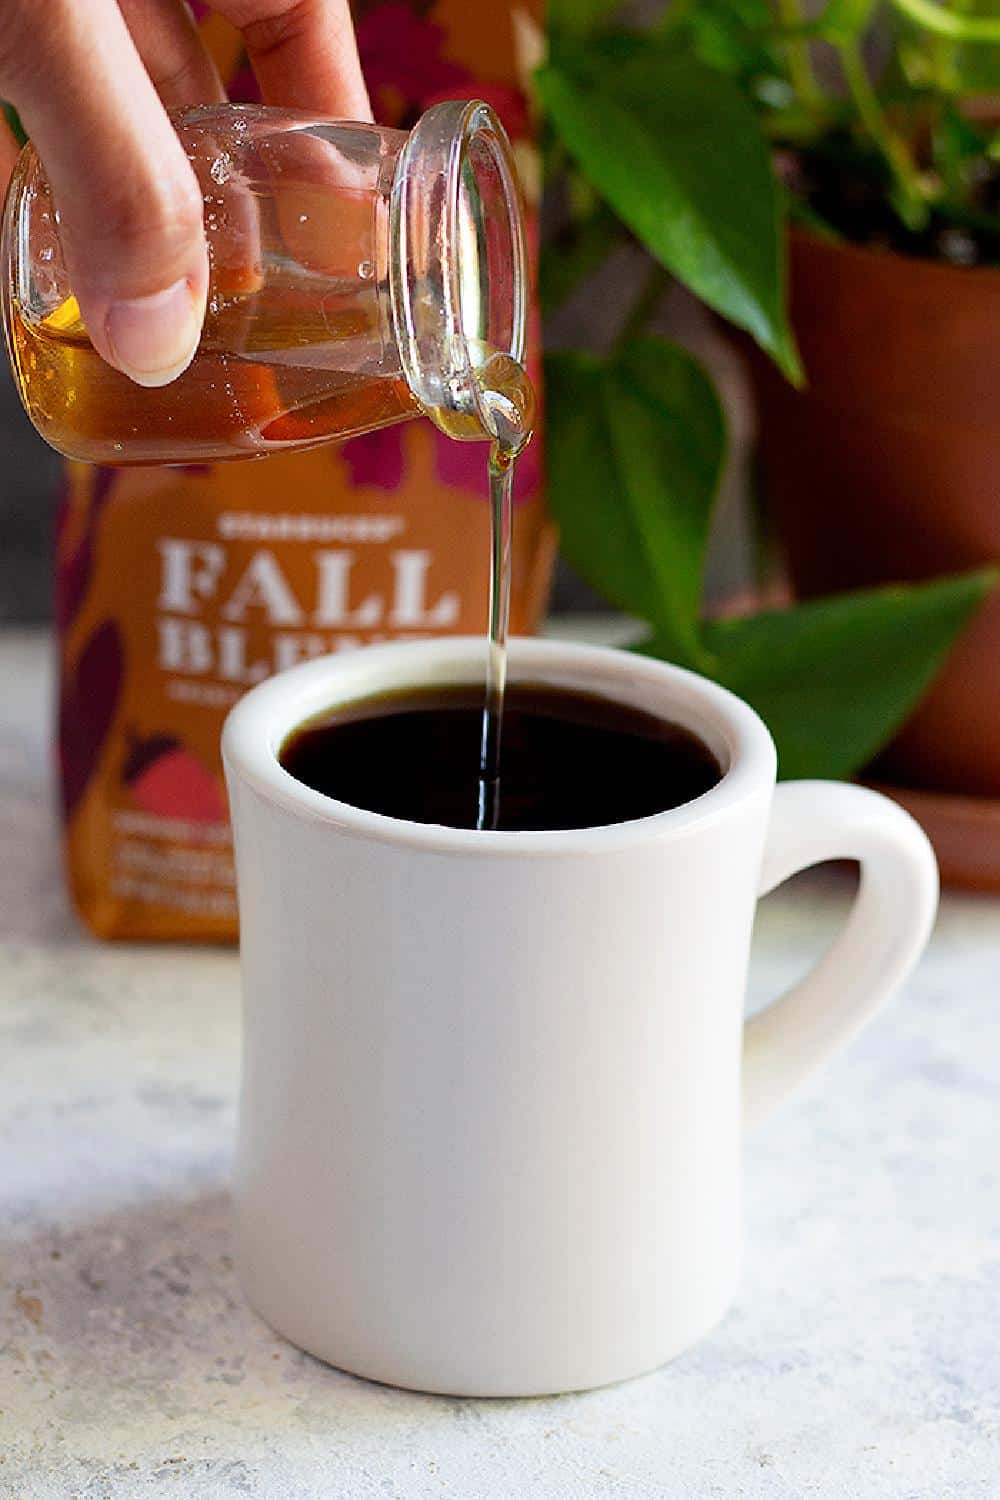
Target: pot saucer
[965,832]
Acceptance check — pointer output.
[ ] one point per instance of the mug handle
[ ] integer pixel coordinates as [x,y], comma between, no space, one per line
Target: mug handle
[885,934]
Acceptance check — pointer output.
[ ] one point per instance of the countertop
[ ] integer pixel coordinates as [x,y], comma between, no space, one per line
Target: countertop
[861,1359]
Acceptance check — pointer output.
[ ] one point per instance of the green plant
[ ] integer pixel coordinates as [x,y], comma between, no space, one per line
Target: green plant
[667,137]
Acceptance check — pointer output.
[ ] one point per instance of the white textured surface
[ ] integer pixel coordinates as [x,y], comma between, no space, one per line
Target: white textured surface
[860,1363]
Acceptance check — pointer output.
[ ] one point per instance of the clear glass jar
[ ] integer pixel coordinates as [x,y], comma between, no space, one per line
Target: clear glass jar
[358,276]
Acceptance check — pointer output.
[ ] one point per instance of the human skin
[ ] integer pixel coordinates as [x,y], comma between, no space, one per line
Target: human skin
[92,81]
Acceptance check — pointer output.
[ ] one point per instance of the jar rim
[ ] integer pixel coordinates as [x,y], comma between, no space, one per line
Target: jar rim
[430,254]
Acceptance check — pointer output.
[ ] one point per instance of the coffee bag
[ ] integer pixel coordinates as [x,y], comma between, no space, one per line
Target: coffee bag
[177,589]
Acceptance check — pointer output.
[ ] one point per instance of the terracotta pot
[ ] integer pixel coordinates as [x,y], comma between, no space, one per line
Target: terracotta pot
[887,468]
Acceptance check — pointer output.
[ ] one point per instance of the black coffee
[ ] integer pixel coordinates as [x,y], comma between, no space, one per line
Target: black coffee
[567,759]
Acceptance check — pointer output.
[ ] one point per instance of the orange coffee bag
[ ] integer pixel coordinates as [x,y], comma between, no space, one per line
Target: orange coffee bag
[177,589]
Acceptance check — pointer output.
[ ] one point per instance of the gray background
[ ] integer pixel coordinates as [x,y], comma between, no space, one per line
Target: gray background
[29,486]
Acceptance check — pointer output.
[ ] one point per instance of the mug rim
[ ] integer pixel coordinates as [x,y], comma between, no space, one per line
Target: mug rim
[259,723]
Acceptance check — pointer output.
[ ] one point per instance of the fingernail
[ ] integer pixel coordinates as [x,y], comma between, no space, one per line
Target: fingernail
[153,339]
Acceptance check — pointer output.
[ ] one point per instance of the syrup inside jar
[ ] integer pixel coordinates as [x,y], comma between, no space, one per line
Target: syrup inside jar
[358,277]
[312,229]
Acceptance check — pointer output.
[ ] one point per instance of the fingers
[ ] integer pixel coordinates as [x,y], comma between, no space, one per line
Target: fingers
[183,73]
[303,53]
[167,40]
[130,207]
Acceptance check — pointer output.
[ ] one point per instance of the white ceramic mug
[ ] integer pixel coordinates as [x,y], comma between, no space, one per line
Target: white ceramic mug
[495,1083]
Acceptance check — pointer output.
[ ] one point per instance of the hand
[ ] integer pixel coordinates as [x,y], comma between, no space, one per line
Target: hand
[92,80]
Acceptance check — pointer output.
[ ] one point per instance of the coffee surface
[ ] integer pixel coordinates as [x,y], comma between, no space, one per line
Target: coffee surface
[568,759]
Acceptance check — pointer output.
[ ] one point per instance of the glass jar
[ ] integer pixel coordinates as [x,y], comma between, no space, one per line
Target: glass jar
[358,276]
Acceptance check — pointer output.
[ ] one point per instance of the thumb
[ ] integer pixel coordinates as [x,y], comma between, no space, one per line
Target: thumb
[130,209]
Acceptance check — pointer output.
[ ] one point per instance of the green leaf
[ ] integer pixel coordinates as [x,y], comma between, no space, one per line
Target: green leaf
[844,20]
[578,18]
[734,36]
[958,148]
[833,679]
[14,121]
[974,70]
[677,151]
[634,448]
[945,22]
[969,68]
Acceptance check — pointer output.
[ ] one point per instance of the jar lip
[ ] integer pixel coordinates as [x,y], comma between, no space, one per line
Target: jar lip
[425,269]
